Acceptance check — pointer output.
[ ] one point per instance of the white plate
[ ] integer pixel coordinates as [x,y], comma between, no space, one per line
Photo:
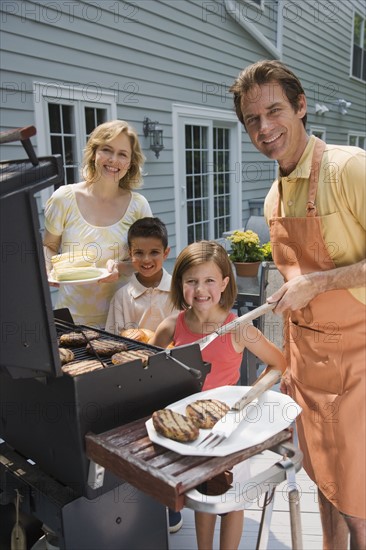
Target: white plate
[104,273]
[268,415]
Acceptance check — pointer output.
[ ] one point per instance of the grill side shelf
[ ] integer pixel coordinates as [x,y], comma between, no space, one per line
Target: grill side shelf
[128,453]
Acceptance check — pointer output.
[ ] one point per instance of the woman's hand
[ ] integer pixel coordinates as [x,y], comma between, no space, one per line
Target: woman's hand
[112,267]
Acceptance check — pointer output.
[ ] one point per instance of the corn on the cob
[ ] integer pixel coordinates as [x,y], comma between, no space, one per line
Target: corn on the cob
[77,259]
[75,273]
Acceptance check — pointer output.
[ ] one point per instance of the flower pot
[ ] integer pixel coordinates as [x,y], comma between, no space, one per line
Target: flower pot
[247,269]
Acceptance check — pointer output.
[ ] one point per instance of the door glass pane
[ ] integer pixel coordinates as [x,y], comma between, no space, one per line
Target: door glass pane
[188,132]
[93,117]
[63,138]
[196,137]
[56,145]
[221,196]
[69,150]
[210,195]
[190,212]
[189,187]
[54,114]
[67,119]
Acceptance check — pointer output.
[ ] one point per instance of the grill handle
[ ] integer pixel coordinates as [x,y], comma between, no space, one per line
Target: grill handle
[23,135]
[195,372]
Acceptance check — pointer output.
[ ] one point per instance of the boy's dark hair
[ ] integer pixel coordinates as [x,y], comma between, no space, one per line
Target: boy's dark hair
[263,72]
[148,227]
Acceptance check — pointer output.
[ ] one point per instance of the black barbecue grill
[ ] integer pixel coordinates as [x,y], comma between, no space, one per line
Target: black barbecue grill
[45,413]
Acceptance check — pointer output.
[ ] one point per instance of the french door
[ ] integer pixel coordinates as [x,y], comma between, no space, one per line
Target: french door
[208,183]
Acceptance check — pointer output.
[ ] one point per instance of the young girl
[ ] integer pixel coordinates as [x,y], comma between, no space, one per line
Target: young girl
[203,286]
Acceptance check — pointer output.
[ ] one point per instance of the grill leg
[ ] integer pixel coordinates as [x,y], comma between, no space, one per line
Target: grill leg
[263,534]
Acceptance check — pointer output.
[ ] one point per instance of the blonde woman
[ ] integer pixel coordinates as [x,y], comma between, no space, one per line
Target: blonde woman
[92,217]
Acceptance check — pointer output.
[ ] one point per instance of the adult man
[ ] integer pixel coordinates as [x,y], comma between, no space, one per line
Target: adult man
[317,217]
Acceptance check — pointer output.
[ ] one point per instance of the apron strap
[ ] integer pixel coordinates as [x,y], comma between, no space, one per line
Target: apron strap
[319,149]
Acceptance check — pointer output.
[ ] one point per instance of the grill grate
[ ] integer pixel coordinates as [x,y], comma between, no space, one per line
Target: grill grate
[81,353]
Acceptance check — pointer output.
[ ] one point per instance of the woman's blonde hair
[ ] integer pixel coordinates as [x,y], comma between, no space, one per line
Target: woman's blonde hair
[104,133]
[196,254]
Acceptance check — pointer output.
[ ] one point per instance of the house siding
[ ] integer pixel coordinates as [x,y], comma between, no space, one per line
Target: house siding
[152,54]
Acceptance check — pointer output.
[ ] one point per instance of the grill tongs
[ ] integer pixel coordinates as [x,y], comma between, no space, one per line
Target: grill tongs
[242,320]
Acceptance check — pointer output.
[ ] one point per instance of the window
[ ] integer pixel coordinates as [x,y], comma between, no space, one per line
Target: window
[207,171]
[318,132]
[65,117]
[359,47]
[258,3]
[357,140]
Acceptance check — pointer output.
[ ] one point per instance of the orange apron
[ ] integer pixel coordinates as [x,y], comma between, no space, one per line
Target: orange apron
[325,343]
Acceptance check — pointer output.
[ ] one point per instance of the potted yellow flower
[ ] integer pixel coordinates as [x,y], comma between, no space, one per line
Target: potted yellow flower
[246,252]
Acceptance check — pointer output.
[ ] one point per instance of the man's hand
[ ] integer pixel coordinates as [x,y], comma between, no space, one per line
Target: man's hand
[299,291]
[285,384]
[295,294]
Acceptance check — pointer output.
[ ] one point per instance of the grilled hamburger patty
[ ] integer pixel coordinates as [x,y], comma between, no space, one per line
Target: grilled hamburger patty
[132,355]
[105,347]
[66,355]
[174,425]
[75,339]
[81,367]
[206,412]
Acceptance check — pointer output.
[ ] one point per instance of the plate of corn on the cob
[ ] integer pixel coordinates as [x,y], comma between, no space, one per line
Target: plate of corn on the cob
[75,269]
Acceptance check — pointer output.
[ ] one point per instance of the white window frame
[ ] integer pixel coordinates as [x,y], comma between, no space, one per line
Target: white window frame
[192,114]
[352,44]
[73,95]
[357,135]
[319,129]
[257,3]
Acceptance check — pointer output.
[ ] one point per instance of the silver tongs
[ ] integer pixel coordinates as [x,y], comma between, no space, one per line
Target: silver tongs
[242,320]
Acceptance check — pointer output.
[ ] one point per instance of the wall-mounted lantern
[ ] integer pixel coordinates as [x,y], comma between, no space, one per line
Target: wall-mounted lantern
[155,132]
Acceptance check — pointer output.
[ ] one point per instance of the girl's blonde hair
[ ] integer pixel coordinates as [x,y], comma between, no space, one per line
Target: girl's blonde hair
[104,133]
[196,254]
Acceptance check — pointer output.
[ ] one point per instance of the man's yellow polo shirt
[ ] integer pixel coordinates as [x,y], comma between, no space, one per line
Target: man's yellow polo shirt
[340,201]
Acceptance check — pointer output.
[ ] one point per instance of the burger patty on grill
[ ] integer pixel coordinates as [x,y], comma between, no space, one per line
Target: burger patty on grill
[66,355]
[105,347]
[174,425]
[81,367]
[206,412]
[132,355]
[75,339]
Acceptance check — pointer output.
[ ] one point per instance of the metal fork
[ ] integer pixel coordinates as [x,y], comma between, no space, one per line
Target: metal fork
[232,419]
[217,435]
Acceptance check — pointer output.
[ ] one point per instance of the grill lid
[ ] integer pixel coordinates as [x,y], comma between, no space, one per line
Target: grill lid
[28,335]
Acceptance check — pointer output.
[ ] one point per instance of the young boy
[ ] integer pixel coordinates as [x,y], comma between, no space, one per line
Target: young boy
[144,301]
